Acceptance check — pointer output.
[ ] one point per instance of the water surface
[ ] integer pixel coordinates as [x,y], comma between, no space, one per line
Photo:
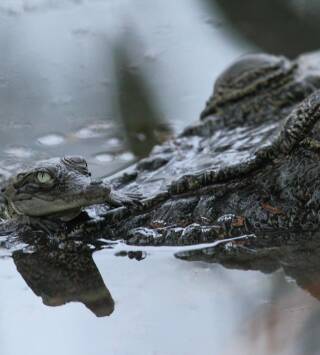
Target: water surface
[77,77]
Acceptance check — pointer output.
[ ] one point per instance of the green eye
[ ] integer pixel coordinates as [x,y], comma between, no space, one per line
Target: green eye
[43,177]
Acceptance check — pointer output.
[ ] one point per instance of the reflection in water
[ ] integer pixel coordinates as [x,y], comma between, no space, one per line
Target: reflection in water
[57,97]
[288,325]
[263,309]
[132,254]
[59,277]
[296,253]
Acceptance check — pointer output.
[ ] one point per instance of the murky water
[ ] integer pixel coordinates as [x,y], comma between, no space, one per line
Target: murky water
[77,77]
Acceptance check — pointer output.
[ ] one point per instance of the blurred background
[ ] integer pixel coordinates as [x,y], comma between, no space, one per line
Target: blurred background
[109,79]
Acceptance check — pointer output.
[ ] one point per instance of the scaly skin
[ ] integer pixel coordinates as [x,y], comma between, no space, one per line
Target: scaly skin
[297,126]
[55,191]
[252,80]
[252,166]
[273,187]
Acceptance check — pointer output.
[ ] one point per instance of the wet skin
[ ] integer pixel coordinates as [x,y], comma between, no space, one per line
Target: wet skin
[250,165]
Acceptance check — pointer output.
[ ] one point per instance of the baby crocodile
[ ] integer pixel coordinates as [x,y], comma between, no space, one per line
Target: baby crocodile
[250,165]
[56,190]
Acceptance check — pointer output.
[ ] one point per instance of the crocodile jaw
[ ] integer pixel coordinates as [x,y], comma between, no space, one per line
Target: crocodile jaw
[41,204]
[65,191]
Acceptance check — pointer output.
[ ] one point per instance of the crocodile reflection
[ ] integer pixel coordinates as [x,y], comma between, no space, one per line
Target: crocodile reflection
[62,276]
[300,261]
[65,275]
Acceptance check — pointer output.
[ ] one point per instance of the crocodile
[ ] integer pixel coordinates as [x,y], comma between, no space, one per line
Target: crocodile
[55,191]
[248,166]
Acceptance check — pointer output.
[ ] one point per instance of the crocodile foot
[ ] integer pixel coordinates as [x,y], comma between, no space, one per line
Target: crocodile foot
[130,200]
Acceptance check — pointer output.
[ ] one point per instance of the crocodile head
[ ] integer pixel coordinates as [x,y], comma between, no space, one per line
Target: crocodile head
[58,187]
[256,88]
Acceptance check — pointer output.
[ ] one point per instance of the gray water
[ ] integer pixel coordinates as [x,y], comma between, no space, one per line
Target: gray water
[77,77]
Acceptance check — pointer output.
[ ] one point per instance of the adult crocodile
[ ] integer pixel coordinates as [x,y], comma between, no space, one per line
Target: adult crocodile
[251,165]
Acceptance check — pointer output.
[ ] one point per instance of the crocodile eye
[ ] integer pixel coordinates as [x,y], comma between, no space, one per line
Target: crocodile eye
[44,177]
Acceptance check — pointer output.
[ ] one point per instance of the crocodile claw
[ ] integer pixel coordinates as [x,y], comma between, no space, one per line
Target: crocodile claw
[130,200]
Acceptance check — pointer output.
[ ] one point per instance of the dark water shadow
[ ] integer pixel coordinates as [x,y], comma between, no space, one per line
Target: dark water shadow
[62,276]
[291,257]
[297,254]
[138,107]
[275,26]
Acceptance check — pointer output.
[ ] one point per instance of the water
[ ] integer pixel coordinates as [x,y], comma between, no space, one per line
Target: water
[162,306]
[77,77]
[64,71]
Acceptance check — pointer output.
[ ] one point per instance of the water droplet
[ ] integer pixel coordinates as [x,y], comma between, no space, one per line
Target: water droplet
[51,139]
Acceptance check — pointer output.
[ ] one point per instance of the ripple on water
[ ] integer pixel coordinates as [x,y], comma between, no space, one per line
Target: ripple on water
[19,152]
[51,139]
[112,142]
[94,131]
[126,156]
[107,157]
[104,157]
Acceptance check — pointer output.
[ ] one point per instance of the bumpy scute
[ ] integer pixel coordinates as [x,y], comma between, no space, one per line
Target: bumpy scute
[247,76]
